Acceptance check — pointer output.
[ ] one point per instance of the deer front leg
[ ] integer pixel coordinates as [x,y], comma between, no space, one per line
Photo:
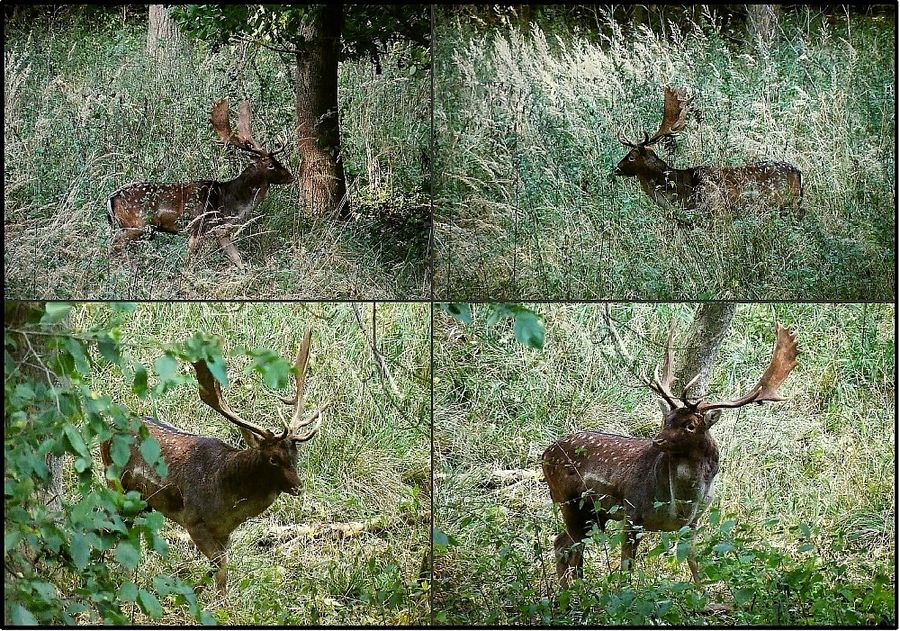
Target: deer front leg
[230,251]
[692,557]
[630,543]
[213,548]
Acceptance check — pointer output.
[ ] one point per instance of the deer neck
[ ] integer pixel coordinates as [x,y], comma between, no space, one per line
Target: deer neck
[248,189]
[250,488]
[684,481]
[665,185]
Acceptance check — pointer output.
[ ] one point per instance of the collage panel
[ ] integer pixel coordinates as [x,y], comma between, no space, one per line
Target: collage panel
[670,152]
[217,152]
[266,510]
[554,467]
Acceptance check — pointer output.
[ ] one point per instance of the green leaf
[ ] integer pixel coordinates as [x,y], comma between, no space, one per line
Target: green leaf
[149,604]
[441,540]
[139,387]
[128,592]
[80,549]
[23,617]
[217,368]
[723,548]
[150,450]
[460,310]
[120,449]
[529,329]
[128,554]
[743,595]
[166,367]
[76,442]
[55,311]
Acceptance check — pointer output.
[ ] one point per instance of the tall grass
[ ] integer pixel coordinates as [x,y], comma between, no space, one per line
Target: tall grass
[526,124]
[815,469]
[87,111]
[367,471]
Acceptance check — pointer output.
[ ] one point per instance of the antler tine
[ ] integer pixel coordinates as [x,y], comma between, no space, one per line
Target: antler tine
[676,107]
[654,384]
[211,395]
[220,122]
[784,360]
[301,365]
[620,136]
[687,386]
[244,132]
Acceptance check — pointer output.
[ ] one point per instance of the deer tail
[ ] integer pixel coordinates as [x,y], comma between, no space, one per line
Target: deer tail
[109,210]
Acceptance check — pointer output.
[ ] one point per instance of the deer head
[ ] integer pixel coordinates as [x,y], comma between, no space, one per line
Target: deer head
[641,157]
[264,160]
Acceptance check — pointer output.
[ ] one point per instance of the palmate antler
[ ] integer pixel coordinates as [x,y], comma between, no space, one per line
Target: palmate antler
[211,395]
[783,361]
[676,108]
[243,139]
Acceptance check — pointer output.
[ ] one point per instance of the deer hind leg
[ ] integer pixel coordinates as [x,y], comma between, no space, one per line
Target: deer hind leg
[568,545]
[230,251]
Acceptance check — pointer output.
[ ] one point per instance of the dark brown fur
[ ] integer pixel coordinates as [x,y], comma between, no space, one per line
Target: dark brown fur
[709,188]
[211,488]
[198,208]
[661,484]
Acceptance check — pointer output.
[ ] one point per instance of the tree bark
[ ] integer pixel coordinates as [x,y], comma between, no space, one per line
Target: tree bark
[164,37]
[697,355]
[323,190]
[762,21]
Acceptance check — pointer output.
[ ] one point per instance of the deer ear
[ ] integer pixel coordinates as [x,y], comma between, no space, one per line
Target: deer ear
[711,418]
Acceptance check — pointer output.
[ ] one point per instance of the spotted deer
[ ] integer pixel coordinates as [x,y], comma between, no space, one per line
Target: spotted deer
[202,208]
[659,484]
[704,187]
[211,487]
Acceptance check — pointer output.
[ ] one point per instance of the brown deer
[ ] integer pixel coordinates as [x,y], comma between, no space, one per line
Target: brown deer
[203,207]
[704,187]
[658,484]
[211,487]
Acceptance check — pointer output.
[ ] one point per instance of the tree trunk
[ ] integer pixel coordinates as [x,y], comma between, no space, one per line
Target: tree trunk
[762,22]
[323,190]
[697,355]
[163,35]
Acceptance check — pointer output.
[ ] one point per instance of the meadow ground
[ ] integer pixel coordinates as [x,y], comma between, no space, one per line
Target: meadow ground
[802,527]
[349,549]
[525,144]
[87,110]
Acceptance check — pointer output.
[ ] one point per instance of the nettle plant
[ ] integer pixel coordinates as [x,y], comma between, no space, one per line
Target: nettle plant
[71,550]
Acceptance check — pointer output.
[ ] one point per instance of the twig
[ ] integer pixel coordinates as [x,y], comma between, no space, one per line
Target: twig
[385,373]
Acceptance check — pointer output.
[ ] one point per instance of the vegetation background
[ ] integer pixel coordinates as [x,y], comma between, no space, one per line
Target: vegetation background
[350,549]
[88,110]
[801,532]
[528,101]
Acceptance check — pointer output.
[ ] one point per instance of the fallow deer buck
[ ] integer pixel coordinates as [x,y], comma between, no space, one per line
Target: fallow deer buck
[703,187]
[211,487]
[658,484]
[202,208]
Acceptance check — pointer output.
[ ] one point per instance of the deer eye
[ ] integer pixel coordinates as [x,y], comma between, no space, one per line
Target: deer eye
[271,167]
[273,461]
[691,427]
